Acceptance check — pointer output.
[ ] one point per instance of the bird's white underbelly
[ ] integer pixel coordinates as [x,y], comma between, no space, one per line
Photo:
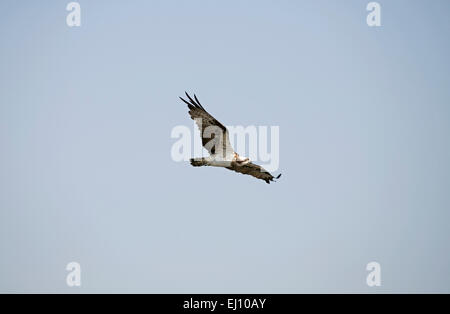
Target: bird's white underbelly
[218,162]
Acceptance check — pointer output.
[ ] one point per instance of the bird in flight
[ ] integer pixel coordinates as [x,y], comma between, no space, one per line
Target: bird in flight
[215,139]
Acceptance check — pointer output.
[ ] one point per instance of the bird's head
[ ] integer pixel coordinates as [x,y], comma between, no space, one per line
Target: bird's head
[241,160]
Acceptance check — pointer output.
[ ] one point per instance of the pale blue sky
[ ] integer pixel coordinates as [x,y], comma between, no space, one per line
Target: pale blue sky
[85,168]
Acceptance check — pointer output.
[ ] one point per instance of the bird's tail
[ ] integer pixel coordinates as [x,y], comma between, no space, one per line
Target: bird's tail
[198,162]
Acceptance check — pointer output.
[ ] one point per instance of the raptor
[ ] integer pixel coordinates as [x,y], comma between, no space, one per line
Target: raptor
[215,139]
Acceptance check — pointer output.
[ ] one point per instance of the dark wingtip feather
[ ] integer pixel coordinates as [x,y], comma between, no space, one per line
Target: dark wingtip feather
[192,101]
[198,102]
[190,106]
[278,176]
[185,102]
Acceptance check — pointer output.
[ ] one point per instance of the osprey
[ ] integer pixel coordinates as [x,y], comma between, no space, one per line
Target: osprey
[215,139]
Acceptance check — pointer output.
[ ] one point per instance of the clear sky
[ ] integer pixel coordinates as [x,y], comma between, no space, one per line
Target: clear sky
[86,173]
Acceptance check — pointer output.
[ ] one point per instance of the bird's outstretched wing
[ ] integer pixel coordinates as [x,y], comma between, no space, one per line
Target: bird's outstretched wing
[214,134]
[253,170]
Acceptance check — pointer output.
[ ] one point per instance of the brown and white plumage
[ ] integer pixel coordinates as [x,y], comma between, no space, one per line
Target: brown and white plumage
[215,138]
[214,134]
